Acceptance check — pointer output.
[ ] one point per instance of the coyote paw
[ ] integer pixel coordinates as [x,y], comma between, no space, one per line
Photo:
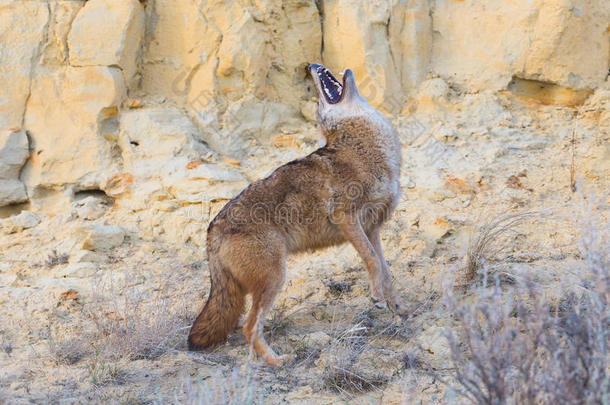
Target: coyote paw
[276,361]
[397,306]
[379,303]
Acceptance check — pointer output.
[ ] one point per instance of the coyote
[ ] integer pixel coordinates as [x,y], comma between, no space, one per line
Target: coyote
[343,191]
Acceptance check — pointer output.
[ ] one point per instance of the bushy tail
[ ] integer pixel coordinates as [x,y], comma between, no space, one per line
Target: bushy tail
[221,312]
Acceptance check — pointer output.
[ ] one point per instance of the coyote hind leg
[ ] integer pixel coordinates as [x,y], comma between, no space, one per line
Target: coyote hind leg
[259,264]
[262,300]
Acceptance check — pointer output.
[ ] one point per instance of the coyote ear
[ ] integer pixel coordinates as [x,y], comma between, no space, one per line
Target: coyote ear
[350,89]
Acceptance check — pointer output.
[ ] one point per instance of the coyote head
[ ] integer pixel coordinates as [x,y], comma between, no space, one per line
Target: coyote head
[340,101]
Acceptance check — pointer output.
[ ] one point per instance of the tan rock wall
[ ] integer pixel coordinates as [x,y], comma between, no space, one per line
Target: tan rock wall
[23,28]
[234,71]
[108,33]
[483,44]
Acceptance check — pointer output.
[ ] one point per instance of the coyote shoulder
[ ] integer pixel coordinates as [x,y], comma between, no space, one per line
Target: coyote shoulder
[343,191]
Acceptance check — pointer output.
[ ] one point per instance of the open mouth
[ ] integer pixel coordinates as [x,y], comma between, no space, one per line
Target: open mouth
[329,85]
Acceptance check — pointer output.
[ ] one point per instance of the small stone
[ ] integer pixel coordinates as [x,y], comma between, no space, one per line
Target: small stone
[440,228]
[435,89]
[98,237]
[230,161]
[17,223]
[434,341]
[284,141]
[193,164]
[457,185]
[78,270]
[90,208]
[135,103]
[317,340]
[7,280]
[118,184]
[413,218]
[85,256]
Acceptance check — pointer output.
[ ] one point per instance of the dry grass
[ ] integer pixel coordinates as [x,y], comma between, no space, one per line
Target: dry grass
[343,373]
[239,387]
[138,323]
[125,320]
[55,259]
[491,242]
[68,350]
[101,372]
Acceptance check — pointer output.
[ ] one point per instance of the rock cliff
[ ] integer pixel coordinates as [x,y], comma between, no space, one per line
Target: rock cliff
[97,87]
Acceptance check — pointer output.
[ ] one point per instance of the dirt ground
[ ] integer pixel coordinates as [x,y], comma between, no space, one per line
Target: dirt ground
[113,330]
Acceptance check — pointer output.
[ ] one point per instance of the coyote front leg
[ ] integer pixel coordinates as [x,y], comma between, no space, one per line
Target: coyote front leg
[395,303]
[372,255]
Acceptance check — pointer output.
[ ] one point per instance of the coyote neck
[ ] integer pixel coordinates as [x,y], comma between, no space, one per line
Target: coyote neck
[375,140]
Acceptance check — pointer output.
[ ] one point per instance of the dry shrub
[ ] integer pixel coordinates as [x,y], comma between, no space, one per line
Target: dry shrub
[510,347]
[7,340]
[68,350]
[280,321]
[513,345]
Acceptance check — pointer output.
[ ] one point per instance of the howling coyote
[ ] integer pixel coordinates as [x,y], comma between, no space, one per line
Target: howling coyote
[343,191]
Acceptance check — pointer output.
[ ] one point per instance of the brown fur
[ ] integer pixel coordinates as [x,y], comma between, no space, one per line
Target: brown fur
[341,192]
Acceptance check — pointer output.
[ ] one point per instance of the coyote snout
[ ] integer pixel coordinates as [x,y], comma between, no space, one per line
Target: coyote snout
[343,191]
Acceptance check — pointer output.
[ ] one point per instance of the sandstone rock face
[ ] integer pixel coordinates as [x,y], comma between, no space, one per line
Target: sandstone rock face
[17,223]
[206,183]
[23,27]
[356,35]
[231,59]
[13,154]
[143,100]
[386,43]
[12,191]
[72,118]
[108,33]
[163,152]
[98,237]
[483,45]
